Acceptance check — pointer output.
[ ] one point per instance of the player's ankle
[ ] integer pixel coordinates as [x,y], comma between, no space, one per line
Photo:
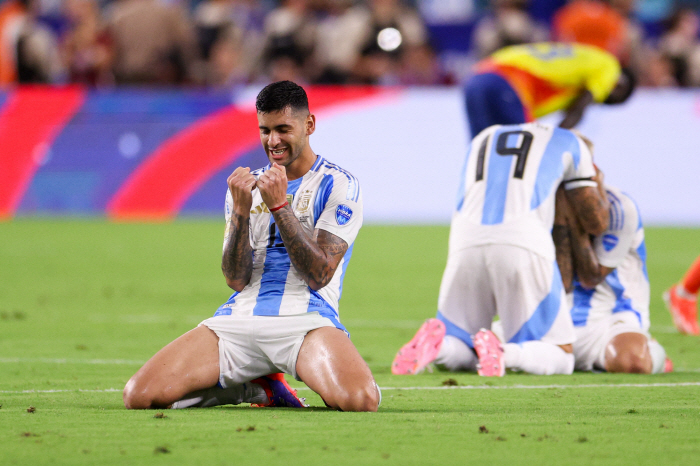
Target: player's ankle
[684,294]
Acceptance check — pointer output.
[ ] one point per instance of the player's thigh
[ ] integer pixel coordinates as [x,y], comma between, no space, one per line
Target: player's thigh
[530,298]
[253,346]
[466,297]
[189,363]
[331,366]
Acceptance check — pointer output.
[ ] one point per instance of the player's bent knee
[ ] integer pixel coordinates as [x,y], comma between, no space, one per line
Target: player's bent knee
[136,396]
[630,363]
[360,400]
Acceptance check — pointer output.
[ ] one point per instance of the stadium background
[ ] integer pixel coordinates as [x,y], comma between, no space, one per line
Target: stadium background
[156,154]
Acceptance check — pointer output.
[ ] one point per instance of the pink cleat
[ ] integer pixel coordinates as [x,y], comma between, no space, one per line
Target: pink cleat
[683,310]
[415,355]
[668,365]
[490,352]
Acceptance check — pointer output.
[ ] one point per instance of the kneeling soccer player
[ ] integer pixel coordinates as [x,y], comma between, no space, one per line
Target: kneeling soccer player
[611,292]
[290,227]
[501,259]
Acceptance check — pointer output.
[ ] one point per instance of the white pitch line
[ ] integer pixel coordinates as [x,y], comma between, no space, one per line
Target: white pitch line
[82,390]
[140,363]
[450,387]
[542,387]
[71,361]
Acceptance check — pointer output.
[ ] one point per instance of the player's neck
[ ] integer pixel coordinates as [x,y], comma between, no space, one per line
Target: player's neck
[301,165]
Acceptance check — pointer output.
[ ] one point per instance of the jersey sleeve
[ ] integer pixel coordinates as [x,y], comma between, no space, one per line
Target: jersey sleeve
[603,76]
[342,214]
[581,171]
[612,246]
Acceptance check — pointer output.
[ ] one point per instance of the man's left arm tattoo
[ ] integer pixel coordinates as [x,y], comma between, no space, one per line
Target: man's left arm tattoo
[315,258]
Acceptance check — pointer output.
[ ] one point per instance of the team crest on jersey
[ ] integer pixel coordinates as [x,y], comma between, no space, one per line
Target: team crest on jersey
[609,242]
[304,201]
[343,214]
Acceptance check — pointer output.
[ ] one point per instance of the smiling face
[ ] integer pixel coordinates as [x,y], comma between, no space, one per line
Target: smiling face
[285,135]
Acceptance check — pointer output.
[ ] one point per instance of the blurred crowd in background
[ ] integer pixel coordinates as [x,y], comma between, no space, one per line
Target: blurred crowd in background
[227,43]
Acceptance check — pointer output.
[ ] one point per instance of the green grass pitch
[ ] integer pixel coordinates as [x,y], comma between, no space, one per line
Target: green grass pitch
[84,302]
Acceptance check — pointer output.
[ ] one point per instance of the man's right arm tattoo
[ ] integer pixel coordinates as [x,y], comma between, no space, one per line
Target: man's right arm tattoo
[590,208]
[561,234]
[237,259]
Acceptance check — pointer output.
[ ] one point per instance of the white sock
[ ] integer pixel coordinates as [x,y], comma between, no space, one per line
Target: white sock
[685,294]
[455,355]
[215,396]
[537,357]
[658,357]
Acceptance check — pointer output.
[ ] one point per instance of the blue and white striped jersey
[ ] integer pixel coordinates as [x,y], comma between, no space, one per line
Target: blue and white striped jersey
[621,247]
[327,198]
[508,185]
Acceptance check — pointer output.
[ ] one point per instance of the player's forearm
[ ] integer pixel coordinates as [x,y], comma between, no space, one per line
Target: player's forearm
[308,258]
[590,209]
[237,259]
[575,111]
[586,266]
[562,245]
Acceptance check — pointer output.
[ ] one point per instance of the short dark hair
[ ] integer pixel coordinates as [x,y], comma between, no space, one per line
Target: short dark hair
[280,95]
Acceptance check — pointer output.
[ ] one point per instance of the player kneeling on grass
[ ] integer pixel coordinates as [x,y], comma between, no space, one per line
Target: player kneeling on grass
[289,227]
[610,307]
[501,260]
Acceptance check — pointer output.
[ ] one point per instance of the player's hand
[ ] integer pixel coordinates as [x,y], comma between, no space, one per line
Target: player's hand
[273,186]
[600,179]
[241,184]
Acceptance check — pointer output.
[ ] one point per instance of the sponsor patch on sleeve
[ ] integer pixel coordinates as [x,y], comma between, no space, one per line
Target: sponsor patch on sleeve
[609,242]
[343,214]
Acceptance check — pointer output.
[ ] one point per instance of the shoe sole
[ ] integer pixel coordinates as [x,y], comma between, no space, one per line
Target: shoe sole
[681,323]
[414,356]
[485,350]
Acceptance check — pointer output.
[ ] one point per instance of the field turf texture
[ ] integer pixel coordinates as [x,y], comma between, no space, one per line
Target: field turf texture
[83,303]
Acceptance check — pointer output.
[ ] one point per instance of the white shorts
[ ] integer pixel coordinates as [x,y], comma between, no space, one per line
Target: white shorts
[593,338]
[253,346]
[523,288]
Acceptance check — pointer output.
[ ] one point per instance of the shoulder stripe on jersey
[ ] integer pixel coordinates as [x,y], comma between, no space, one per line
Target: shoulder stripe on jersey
[317,163]
[551,166]
[353,185]
[636,207]
[322,196]
[617,213]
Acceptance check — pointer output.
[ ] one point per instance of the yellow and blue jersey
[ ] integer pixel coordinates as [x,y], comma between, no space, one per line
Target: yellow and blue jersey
[548,76]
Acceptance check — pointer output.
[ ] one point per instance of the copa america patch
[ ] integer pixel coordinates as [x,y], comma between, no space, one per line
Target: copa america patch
[343,214]
[609,242]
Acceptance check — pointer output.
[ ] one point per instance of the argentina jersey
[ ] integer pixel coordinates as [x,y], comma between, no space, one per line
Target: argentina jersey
[508,184]
[621,248]
[327,197]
